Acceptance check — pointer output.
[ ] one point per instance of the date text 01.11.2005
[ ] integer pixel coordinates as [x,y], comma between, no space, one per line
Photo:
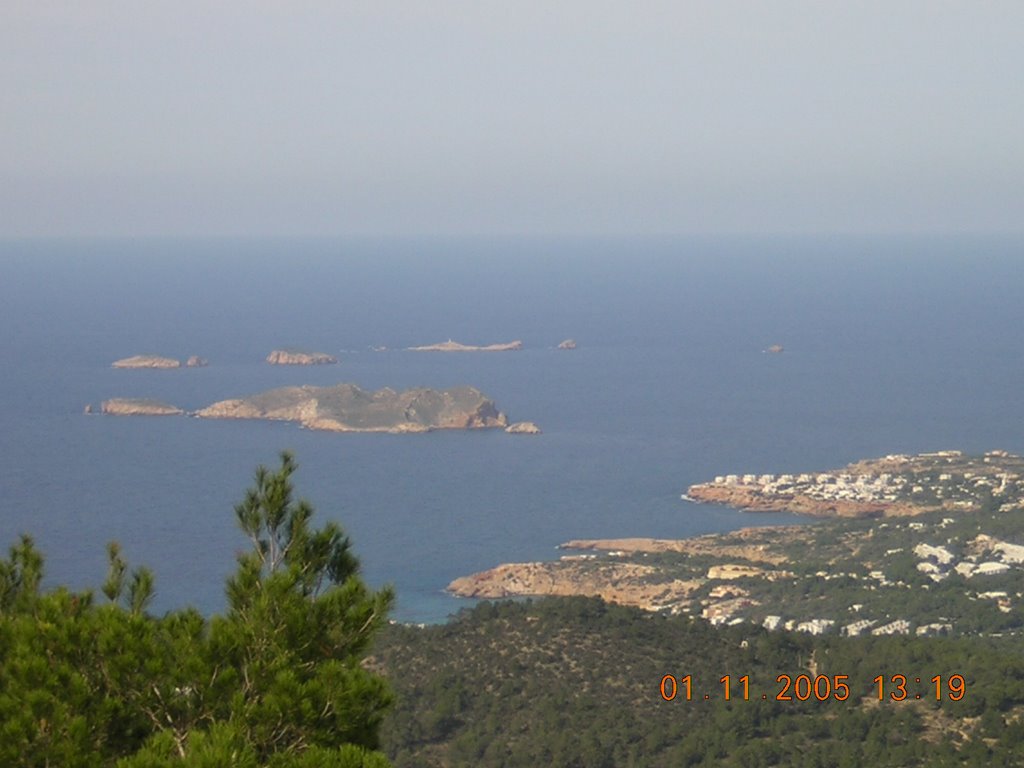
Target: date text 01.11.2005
[896,687]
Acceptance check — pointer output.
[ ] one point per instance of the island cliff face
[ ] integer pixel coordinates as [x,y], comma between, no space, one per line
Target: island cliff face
[347,408]
[454,346]
[146,361]
[296,357]
[126,406]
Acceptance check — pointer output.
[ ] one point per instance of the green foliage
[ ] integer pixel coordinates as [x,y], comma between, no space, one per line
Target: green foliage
[277,681]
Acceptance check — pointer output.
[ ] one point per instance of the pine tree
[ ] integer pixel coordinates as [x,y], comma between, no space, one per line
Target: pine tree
[278,681]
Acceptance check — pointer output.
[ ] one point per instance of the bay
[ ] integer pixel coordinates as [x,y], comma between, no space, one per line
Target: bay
[891,345]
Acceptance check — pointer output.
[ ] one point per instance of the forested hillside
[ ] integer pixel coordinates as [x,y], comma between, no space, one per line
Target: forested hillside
[577,682]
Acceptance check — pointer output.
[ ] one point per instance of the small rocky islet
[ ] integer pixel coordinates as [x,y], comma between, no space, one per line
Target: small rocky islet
[300,357]
[130,406]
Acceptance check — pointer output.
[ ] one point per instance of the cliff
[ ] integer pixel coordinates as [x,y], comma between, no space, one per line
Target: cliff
[454,346]
[126,406]
[347,408]
[296,357]
[146,361]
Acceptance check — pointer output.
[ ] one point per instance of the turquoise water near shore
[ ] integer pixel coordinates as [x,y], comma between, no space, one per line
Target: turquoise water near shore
[891,345]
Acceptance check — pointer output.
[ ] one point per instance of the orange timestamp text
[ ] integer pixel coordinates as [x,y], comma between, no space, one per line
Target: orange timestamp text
[896,687]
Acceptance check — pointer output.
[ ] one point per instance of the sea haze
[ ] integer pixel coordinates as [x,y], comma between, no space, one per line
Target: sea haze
[891,345]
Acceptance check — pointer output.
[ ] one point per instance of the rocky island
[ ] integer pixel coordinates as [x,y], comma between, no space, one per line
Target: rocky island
[146,361]
[567,344]
[298,357]
[918,544]
[347,408]
[454,346]
[127,406]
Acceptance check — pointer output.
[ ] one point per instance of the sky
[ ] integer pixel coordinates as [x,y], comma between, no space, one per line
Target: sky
[578,117]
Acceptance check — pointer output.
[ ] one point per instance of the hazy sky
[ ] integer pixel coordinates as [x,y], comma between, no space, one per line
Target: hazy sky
[224,117]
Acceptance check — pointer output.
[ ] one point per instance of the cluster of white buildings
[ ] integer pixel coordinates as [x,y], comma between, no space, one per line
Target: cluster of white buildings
[960,489]
[938,562]
[825,487]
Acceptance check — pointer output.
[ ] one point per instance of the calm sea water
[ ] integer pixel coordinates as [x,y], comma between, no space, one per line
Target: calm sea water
[892,345]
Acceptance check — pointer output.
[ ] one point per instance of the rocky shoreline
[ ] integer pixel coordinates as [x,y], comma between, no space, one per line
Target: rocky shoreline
[892,486]
[738,576]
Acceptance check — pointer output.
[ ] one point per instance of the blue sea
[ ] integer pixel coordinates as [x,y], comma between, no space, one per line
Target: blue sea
[891,345]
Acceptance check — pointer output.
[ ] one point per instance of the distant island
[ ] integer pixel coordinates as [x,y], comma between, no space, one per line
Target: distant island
[922,544]
[298,357]
[567,344]
[347,408]
[454,346]
[127,406]
[146,361]
[155,361]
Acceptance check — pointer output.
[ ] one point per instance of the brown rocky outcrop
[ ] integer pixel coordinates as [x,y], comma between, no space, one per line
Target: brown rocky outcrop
[750,499]
[523,428]
[624,583]
[746,544]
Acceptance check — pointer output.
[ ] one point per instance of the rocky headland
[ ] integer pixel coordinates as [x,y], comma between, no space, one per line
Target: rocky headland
[624,583]
[892,486]
[899,527]
[454,346]
[127,406]
[347,408]
[298,357]
[146,361]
